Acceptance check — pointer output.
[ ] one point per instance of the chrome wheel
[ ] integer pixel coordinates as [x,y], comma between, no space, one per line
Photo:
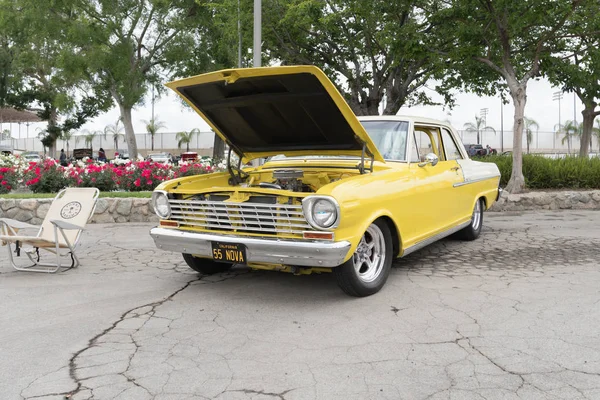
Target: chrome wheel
[476,219]
[369,258]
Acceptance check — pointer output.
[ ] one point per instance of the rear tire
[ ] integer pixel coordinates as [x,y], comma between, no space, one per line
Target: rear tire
[204,265]
[473,231]
[367,270]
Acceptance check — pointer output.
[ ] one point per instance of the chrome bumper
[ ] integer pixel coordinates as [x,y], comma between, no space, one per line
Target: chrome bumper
[499,193]
[258,250]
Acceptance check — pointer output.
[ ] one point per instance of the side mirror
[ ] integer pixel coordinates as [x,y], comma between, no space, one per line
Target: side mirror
[429,158]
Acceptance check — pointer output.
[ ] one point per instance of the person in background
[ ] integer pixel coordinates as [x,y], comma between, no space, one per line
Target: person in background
[63,158]
[101,155]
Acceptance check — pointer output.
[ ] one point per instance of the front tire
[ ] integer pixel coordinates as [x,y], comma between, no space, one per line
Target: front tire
[473,231]
[204,265]
[367,270]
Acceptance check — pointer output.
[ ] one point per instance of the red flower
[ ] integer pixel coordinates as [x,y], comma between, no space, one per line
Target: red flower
[137,182]
[4,183]
[149,182]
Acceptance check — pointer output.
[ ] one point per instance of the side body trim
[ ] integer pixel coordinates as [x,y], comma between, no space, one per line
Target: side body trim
[435,238]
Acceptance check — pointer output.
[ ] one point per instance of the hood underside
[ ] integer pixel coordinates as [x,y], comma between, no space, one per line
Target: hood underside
[261,112]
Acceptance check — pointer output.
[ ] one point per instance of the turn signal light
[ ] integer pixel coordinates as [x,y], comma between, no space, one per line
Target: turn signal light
[318,235]
[169,223]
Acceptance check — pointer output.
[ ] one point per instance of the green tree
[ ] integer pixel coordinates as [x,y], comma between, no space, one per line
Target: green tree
[373,50]
[186,138]
[530,124]
[495,46]
[575,66]
[37,68]
[131,42]
[152,127]
[115,131]
[478,127]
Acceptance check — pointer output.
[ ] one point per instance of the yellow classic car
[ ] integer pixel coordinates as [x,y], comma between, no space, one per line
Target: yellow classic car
[336,193]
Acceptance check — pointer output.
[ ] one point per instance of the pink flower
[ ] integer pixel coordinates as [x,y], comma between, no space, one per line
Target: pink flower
[137,182]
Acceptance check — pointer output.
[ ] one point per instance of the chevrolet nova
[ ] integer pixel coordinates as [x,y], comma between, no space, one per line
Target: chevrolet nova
[337,193]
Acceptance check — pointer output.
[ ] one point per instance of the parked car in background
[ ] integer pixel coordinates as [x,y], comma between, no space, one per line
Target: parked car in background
[337,194]
[479,150]
[161,158]
[189,156]
[31,156]
[122,154]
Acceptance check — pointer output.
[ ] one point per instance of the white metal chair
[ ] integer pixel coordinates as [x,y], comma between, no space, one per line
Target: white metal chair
[59,233]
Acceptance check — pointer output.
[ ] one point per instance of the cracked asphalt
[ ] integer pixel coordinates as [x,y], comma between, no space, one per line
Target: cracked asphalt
[513,315]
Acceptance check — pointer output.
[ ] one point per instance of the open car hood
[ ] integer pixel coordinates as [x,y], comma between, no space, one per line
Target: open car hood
[261,112]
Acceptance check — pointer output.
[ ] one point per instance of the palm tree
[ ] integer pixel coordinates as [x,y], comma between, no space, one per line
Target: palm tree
[596,132]
[568,130]
[186,137]
[66,136]
[89,137]
[529,125]
[478,127]
[152,127]
[116,131]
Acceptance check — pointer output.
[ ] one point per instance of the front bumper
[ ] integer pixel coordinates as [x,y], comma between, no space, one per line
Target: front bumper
[258,250]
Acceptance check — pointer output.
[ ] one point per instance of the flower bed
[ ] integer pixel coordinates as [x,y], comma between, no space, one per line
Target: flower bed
[48,176]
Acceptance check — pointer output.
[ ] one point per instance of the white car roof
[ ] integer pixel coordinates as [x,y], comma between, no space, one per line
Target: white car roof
[408,118]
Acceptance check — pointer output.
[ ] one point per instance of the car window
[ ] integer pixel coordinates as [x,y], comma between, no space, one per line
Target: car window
[427,141]
[450,147]
[389,138]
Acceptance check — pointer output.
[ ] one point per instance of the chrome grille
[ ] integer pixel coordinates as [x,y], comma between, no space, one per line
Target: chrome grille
[248,217]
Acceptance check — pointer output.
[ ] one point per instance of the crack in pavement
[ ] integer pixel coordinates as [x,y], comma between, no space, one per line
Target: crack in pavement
[94,341]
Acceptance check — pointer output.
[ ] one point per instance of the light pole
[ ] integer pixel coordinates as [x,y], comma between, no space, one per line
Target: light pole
[556,96]
[239,26]
[257,32]
[501,124]
[483,114]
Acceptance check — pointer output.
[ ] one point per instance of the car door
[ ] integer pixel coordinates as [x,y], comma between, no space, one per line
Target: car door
[435,200]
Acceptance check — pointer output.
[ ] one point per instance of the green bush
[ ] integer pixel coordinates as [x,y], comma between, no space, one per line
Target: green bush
[546,173]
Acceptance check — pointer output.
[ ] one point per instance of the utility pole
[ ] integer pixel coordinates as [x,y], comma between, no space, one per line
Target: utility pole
[483,114]
[239,37]
[556,96]
[501,124]
[257,32]
[257,45]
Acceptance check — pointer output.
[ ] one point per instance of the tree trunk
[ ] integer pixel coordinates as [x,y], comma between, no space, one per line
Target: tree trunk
[518,92]
[218,148]
[152,142]
[589,114]
[129,133]
[52,122]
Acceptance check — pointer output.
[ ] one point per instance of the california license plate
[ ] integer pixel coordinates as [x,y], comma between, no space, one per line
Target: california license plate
[229,252]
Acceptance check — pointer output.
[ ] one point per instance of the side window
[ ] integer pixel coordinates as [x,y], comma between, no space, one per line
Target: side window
[423,144]
[452,152]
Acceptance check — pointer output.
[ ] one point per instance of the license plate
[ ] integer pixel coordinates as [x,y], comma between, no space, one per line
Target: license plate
[229,252]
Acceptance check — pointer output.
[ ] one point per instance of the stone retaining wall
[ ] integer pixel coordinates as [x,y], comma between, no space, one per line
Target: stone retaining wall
[140,210]
[108,210]
[567,200]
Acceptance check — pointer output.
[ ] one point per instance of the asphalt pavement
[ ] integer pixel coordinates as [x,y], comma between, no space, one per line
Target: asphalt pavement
[513,315]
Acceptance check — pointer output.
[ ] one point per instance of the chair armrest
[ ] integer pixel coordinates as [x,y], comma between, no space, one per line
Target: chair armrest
[13,223]
[65,225]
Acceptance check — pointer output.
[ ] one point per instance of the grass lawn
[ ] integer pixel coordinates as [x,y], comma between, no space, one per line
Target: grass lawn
[52,195]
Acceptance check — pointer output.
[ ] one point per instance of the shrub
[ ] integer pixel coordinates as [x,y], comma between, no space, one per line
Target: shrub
[45,177]
[546,173]
[8,179]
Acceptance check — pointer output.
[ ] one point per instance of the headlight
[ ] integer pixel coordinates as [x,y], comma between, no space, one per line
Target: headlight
[322,212]
[161,205]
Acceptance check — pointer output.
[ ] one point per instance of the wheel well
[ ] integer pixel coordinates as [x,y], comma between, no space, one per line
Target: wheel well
[485,206]
[394,232]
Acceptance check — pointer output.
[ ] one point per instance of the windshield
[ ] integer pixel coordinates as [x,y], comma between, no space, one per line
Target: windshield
[389,138]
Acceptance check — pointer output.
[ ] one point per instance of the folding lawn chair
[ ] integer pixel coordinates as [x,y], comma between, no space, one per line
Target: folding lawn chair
[69,212]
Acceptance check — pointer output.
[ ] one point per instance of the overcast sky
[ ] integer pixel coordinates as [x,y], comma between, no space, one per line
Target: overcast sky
[540,107]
